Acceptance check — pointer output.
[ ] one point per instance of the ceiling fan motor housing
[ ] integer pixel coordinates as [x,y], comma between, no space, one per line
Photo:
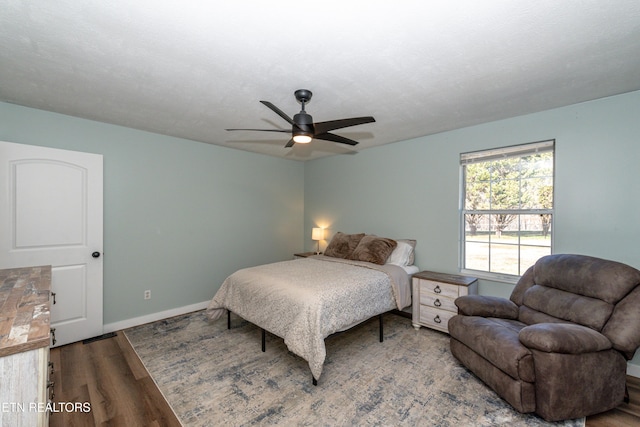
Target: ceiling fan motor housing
[303,124]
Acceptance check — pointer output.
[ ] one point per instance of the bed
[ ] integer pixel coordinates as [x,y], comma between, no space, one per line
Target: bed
[305,300]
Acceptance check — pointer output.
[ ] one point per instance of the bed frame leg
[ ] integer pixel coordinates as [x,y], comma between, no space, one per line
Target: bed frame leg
[381,332]
[314,380]
[264,333]
[228,319]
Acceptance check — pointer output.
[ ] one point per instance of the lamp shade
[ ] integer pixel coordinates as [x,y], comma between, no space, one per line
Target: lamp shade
[317,233]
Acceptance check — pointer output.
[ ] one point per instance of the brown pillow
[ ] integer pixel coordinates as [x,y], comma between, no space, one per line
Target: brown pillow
[374,249]
[342,245]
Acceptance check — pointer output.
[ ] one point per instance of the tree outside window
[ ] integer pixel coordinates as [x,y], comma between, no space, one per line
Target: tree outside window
[507,208]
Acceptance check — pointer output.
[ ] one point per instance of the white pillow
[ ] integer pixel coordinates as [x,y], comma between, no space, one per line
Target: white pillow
[400,255]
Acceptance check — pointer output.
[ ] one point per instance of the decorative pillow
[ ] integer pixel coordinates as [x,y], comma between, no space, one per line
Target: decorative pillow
[342,245]
[374,249]
[400,255]
[413,249]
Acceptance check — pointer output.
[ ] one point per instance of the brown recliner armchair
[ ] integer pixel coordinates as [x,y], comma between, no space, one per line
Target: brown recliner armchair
[559,345]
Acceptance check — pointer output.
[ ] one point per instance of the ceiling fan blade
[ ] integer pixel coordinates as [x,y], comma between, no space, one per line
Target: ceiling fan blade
[322,127]
[335,138]
[279,112]
[266,130]
[290,143]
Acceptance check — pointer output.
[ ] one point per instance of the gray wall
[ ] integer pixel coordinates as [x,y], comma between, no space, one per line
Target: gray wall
[411,189]
[179,215]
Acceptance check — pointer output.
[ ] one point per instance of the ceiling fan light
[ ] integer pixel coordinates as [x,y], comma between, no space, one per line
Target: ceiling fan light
[302,139]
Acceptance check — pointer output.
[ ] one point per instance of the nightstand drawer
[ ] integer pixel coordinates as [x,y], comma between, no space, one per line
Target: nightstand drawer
[438,288]
[438,301]
[434,318]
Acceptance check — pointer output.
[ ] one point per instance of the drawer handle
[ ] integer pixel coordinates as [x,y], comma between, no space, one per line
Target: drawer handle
[437,303]
[437,319]
[437,289]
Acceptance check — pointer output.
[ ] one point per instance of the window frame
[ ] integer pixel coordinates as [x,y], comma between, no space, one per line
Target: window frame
[513,151]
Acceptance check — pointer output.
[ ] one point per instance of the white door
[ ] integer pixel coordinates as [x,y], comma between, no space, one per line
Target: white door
[51,214]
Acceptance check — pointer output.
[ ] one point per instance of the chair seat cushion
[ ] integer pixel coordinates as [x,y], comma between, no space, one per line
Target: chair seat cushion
[496,340]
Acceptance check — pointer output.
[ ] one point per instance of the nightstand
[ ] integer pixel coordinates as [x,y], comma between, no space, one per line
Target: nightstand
[303,255]
[434,295]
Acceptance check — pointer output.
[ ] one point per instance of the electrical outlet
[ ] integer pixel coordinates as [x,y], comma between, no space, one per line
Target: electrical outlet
[147,294]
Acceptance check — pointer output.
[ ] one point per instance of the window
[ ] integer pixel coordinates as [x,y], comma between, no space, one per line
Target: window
[507,209]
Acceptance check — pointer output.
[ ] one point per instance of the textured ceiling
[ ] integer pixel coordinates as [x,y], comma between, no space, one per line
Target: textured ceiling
[193,68]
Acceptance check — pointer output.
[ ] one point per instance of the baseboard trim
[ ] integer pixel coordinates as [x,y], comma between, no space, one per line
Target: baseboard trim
[136,321]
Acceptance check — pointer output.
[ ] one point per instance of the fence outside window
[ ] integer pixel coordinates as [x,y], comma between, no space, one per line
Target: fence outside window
[506,210]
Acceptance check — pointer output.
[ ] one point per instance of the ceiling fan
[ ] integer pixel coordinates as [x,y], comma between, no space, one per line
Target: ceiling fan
[303,129]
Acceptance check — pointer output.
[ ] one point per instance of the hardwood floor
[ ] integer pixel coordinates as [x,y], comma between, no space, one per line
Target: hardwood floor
[108,374]
[625,415]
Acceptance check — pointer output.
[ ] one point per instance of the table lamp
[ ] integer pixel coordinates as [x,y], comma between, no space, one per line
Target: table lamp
[317,234]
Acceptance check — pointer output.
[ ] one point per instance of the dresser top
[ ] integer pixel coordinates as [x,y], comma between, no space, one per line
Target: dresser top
[24,309]
[454,279]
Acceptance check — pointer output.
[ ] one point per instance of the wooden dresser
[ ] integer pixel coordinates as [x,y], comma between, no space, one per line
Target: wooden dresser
[24,346]
[434,295]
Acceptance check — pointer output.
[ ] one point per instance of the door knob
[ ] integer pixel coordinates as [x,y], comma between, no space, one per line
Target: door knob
[96,254]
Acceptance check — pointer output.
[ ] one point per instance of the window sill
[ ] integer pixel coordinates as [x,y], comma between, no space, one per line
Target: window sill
[494,277]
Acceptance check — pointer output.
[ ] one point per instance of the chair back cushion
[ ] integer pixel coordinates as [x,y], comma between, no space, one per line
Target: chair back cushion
[563,305]
[609,281]
[585,290]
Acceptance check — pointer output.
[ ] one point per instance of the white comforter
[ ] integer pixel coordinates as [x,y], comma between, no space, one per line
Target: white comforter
[305,300]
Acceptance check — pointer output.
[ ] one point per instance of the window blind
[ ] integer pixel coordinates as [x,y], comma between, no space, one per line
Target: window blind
[505,152]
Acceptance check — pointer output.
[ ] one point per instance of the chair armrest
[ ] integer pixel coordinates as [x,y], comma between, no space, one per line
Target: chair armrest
[487,306]
[563,338]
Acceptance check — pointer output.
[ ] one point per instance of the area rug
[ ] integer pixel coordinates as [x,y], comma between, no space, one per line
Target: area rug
[214,376]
